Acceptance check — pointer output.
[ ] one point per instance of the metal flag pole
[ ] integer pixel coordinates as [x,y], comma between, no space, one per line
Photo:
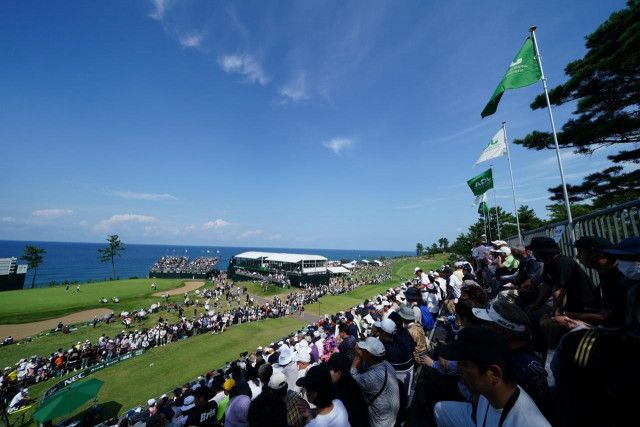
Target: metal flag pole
[513,184]
[572,236]
[495,203]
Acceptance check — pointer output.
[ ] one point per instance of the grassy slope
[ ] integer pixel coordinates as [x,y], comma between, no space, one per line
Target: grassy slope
[159,370]
[29,305]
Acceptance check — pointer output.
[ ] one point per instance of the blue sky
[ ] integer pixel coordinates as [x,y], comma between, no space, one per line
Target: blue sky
[289,124]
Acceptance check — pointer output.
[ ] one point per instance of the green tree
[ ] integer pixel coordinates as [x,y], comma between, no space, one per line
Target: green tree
[33,256]
[463,244]
[557,212]
[604,86]
[114,248]
[419,249]
[443,244]
[434,249]
[528,218]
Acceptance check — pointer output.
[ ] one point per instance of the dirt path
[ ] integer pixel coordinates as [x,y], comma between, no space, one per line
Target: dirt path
[188,287]
[22,330]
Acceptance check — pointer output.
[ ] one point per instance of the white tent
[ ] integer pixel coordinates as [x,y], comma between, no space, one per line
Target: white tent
[338,270]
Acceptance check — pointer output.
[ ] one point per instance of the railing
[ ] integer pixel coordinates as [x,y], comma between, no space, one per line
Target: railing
[614,224]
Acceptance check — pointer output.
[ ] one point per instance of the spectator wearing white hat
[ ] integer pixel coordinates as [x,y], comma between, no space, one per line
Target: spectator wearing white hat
[378,382]
[458,270]
[296,406]
[287,365]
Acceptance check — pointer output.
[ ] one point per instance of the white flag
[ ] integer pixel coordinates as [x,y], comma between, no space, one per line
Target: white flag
[480,199]
[497,147]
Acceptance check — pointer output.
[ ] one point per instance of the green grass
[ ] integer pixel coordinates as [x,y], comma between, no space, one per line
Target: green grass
[30,305]
[255,288]
[161,369]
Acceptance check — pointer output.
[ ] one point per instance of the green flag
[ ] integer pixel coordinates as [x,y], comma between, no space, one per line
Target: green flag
[523,71]
[482,183]
[483,209]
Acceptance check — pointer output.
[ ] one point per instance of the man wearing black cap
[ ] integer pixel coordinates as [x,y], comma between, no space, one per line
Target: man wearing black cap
[591,254]
[562,278]
[628,254]
[484,365]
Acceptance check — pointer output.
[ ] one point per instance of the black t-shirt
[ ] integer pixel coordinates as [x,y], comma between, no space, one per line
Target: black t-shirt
[564,272]
[203,416]
[614,295]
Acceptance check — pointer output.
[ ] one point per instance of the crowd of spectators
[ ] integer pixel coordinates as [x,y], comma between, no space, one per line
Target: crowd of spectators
[466,345]
[208,310]
[181,265]
[511,337]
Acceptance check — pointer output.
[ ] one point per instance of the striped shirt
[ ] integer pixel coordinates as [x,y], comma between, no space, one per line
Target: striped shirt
[384,409]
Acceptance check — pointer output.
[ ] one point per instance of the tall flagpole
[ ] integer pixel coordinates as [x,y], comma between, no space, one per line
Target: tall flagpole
[495,205]
[513,184]
[572,236]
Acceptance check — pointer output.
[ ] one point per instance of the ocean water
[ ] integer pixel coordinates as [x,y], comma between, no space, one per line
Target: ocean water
[79,261]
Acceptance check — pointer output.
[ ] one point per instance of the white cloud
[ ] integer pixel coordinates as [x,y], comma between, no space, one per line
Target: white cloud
[160,8]
[132,195]
[8,219]
[193,40]
[124,218]
[338,144]
[245,65]
[52,213]
[216,224]
[250,233]
[296,89]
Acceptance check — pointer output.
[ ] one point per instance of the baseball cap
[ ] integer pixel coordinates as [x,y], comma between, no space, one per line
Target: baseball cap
[317,378]
[373,345]
[595,243]
[629,247]
[386,325]
[477,344]
[411,294]
[277,381]
[505,250]
[151,402]
[505,314]
[543,245]
[349,316]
